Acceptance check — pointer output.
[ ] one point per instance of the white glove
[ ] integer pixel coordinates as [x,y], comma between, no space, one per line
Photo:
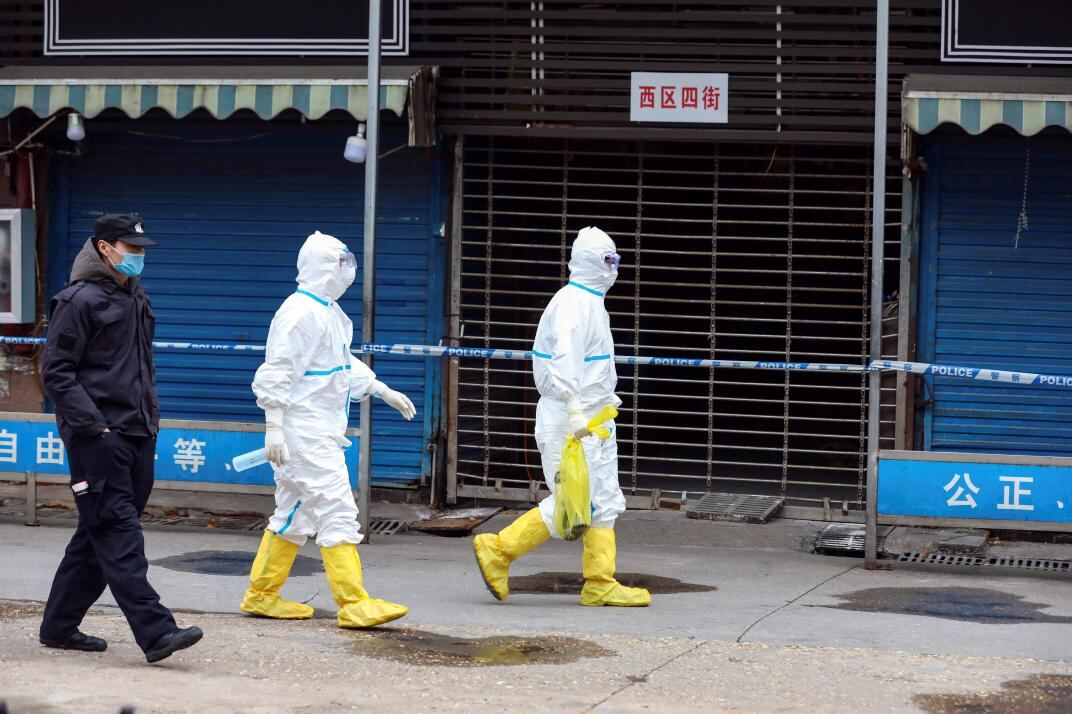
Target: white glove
[274,443]
[394,399]
[578,424]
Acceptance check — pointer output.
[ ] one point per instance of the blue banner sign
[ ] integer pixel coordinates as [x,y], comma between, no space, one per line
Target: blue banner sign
[201,455]
[962,486]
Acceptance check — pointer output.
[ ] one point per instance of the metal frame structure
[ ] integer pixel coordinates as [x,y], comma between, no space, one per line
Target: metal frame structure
[21,227]
[753,251]
[874,402]
[368,304]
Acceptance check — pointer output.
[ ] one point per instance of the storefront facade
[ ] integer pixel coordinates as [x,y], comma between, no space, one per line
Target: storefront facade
[994,254]
[231,168]
[746,239]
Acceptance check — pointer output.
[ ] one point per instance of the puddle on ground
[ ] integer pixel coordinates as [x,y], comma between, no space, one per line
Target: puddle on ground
[1040,694]
[571,584]
[428,649]
[18,610]
[229,562]
[988,607]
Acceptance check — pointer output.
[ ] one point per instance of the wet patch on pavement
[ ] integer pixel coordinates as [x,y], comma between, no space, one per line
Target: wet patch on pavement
[18,610]
[571,584]
[1040,694]
[429,649]
[229,562]
[988,607]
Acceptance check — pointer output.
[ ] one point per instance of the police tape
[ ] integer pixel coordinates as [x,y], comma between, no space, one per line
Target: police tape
[981,374]
[487,353]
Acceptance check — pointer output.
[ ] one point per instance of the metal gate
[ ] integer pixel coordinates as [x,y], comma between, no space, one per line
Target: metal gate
[990,296]
[729,250]
[208,190]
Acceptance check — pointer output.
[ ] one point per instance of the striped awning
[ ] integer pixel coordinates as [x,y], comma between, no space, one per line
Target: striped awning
[221,91]
[1025,104]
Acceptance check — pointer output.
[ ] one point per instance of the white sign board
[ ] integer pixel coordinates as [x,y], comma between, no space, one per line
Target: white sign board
[678,97]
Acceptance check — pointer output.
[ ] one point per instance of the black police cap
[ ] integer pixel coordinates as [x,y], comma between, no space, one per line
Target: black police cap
[118,226]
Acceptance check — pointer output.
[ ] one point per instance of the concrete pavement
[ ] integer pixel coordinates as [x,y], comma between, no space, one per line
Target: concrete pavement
[780,629]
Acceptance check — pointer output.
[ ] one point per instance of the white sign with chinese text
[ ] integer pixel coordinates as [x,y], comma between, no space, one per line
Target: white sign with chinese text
[679,97]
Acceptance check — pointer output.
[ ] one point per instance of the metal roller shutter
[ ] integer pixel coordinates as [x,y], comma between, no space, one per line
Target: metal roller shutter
[231,206]
[732,250]
[987,303]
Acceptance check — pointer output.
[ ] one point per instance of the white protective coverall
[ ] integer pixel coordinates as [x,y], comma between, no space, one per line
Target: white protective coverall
[573,365]
[310,375]
[305,387]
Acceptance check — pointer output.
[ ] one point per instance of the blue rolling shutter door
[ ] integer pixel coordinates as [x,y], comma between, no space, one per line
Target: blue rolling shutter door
[988,303]
[230,217]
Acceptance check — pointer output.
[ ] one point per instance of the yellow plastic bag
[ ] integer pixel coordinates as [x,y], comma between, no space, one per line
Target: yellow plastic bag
[573,498]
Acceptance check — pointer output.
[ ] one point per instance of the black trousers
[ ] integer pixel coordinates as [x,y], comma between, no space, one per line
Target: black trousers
[111,476]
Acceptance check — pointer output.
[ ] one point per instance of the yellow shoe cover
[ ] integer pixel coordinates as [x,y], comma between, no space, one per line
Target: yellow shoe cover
[495,551]
[270,570]
[370,613]
[600,587]
[356,608]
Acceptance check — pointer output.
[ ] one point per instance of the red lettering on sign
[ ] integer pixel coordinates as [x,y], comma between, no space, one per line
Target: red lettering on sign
[647,97]
[689,97]
[669,102]
[710,98]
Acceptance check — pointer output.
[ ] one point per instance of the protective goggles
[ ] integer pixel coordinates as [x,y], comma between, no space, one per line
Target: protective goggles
[347,260]
[613,260]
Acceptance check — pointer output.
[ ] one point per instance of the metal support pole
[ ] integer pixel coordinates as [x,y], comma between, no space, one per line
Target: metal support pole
[906,308]
[455,302]
[368,270]
[878,235]
[31,499]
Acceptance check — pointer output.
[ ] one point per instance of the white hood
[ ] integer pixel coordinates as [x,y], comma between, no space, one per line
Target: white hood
[319,271]
[587,265]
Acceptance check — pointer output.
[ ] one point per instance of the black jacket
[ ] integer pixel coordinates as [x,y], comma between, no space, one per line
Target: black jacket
[98,364]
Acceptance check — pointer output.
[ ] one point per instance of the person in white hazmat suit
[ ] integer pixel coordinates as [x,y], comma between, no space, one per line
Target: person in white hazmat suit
[305,387]
[573,365]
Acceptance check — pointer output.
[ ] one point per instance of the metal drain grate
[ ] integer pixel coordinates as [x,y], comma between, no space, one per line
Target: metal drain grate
[227,523]
[386,526]
[161,520]
[735,507]
[942,559]
[841,539]
[1051,566]
[57,513]
[15,507]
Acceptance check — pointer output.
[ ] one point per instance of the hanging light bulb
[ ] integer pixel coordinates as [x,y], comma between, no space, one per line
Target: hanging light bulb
[76,129]
[356,147]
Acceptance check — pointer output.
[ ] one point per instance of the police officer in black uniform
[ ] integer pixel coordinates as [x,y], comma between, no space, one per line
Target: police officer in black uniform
[98,368]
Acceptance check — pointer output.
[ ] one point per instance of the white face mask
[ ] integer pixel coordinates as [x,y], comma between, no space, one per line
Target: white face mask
[347,268]
[348,276]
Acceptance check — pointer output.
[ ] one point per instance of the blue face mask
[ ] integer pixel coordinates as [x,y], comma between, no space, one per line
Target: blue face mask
[131,266]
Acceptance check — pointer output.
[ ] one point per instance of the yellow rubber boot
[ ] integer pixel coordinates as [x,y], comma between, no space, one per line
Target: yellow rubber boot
[600,587]
[495,551]
[271,567]
[356,608]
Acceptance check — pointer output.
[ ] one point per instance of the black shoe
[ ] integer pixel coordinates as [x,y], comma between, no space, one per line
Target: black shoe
[77,641]
[172,642]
